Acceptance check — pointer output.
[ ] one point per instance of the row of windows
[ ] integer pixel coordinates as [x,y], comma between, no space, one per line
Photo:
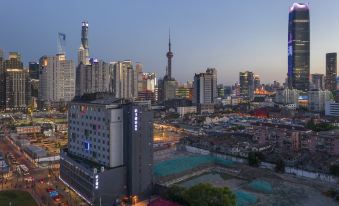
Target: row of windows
[101,158]
[85,124]
[98,153]
[103,119]
[88,133]
[84,108]
[103,142]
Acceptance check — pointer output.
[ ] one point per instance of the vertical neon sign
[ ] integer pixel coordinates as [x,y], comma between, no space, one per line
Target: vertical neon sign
[135,119]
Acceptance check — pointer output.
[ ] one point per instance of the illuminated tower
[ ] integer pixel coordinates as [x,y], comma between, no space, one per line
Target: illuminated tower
[299,47]
[169,59]
[83,52]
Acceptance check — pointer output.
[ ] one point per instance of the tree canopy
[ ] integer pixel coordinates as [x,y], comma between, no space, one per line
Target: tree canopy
[202,195]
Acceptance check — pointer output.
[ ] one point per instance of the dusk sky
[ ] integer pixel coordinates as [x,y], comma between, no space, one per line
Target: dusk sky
[230,35]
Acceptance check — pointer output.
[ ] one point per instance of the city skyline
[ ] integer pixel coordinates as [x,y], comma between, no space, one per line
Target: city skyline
[169,103]
[198,41]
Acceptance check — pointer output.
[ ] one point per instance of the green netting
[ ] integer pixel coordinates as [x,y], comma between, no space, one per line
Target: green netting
[261,186]
[182,164]
[223,162]
[245,198]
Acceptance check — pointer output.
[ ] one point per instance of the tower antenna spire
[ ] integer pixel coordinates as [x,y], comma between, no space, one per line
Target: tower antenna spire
[169,38]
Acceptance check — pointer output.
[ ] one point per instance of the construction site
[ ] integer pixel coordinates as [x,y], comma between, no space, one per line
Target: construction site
[252,186]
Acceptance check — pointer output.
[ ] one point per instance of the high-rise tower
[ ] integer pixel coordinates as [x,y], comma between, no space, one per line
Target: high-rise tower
[169,59]
[299,47]
[17,86]
[2,83]
[331,71]
[167,86]
[246,80]
[83,52]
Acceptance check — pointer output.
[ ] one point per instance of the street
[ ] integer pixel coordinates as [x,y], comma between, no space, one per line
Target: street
[37,181]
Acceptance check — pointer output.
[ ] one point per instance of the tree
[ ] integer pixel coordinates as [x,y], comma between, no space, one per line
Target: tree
[334,169]
[254,159]
[176,193]
[202,195]
[207,195]
[280,165]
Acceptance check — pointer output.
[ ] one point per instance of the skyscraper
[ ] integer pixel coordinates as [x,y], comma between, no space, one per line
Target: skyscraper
[138,70]
[205,87]
[17,85]
[256,82]
[110,148]
[331,72]
[94,77]
[299,47]
[125,80]
[56,80]
[317,82]
[2,83]
[83,52]
[147,87]
[246,80]
[34,70]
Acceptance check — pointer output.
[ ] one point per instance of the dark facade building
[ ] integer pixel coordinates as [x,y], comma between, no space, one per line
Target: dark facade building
[2,83]
[331,72]
[246,80]
[110,149]
[34,69]
[299,47]
[17,91]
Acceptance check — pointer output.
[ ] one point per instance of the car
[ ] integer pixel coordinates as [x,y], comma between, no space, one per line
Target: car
[53,193]
[49,189]
[29,179]
[57,198]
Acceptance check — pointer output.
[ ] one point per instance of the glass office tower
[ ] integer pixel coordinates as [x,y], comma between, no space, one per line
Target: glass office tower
[299,47]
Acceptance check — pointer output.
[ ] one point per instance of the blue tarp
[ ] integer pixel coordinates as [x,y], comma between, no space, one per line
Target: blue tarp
[182,164]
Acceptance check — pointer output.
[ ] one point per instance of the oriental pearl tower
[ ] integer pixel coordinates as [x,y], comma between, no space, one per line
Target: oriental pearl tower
[169,59]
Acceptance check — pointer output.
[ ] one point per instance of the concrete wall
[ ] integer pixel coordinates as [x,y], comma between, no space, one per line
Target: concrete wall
[112,185]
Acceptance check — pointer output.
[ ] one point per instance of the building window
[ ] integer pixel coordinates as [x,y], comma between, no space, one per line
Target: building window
[86,132]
